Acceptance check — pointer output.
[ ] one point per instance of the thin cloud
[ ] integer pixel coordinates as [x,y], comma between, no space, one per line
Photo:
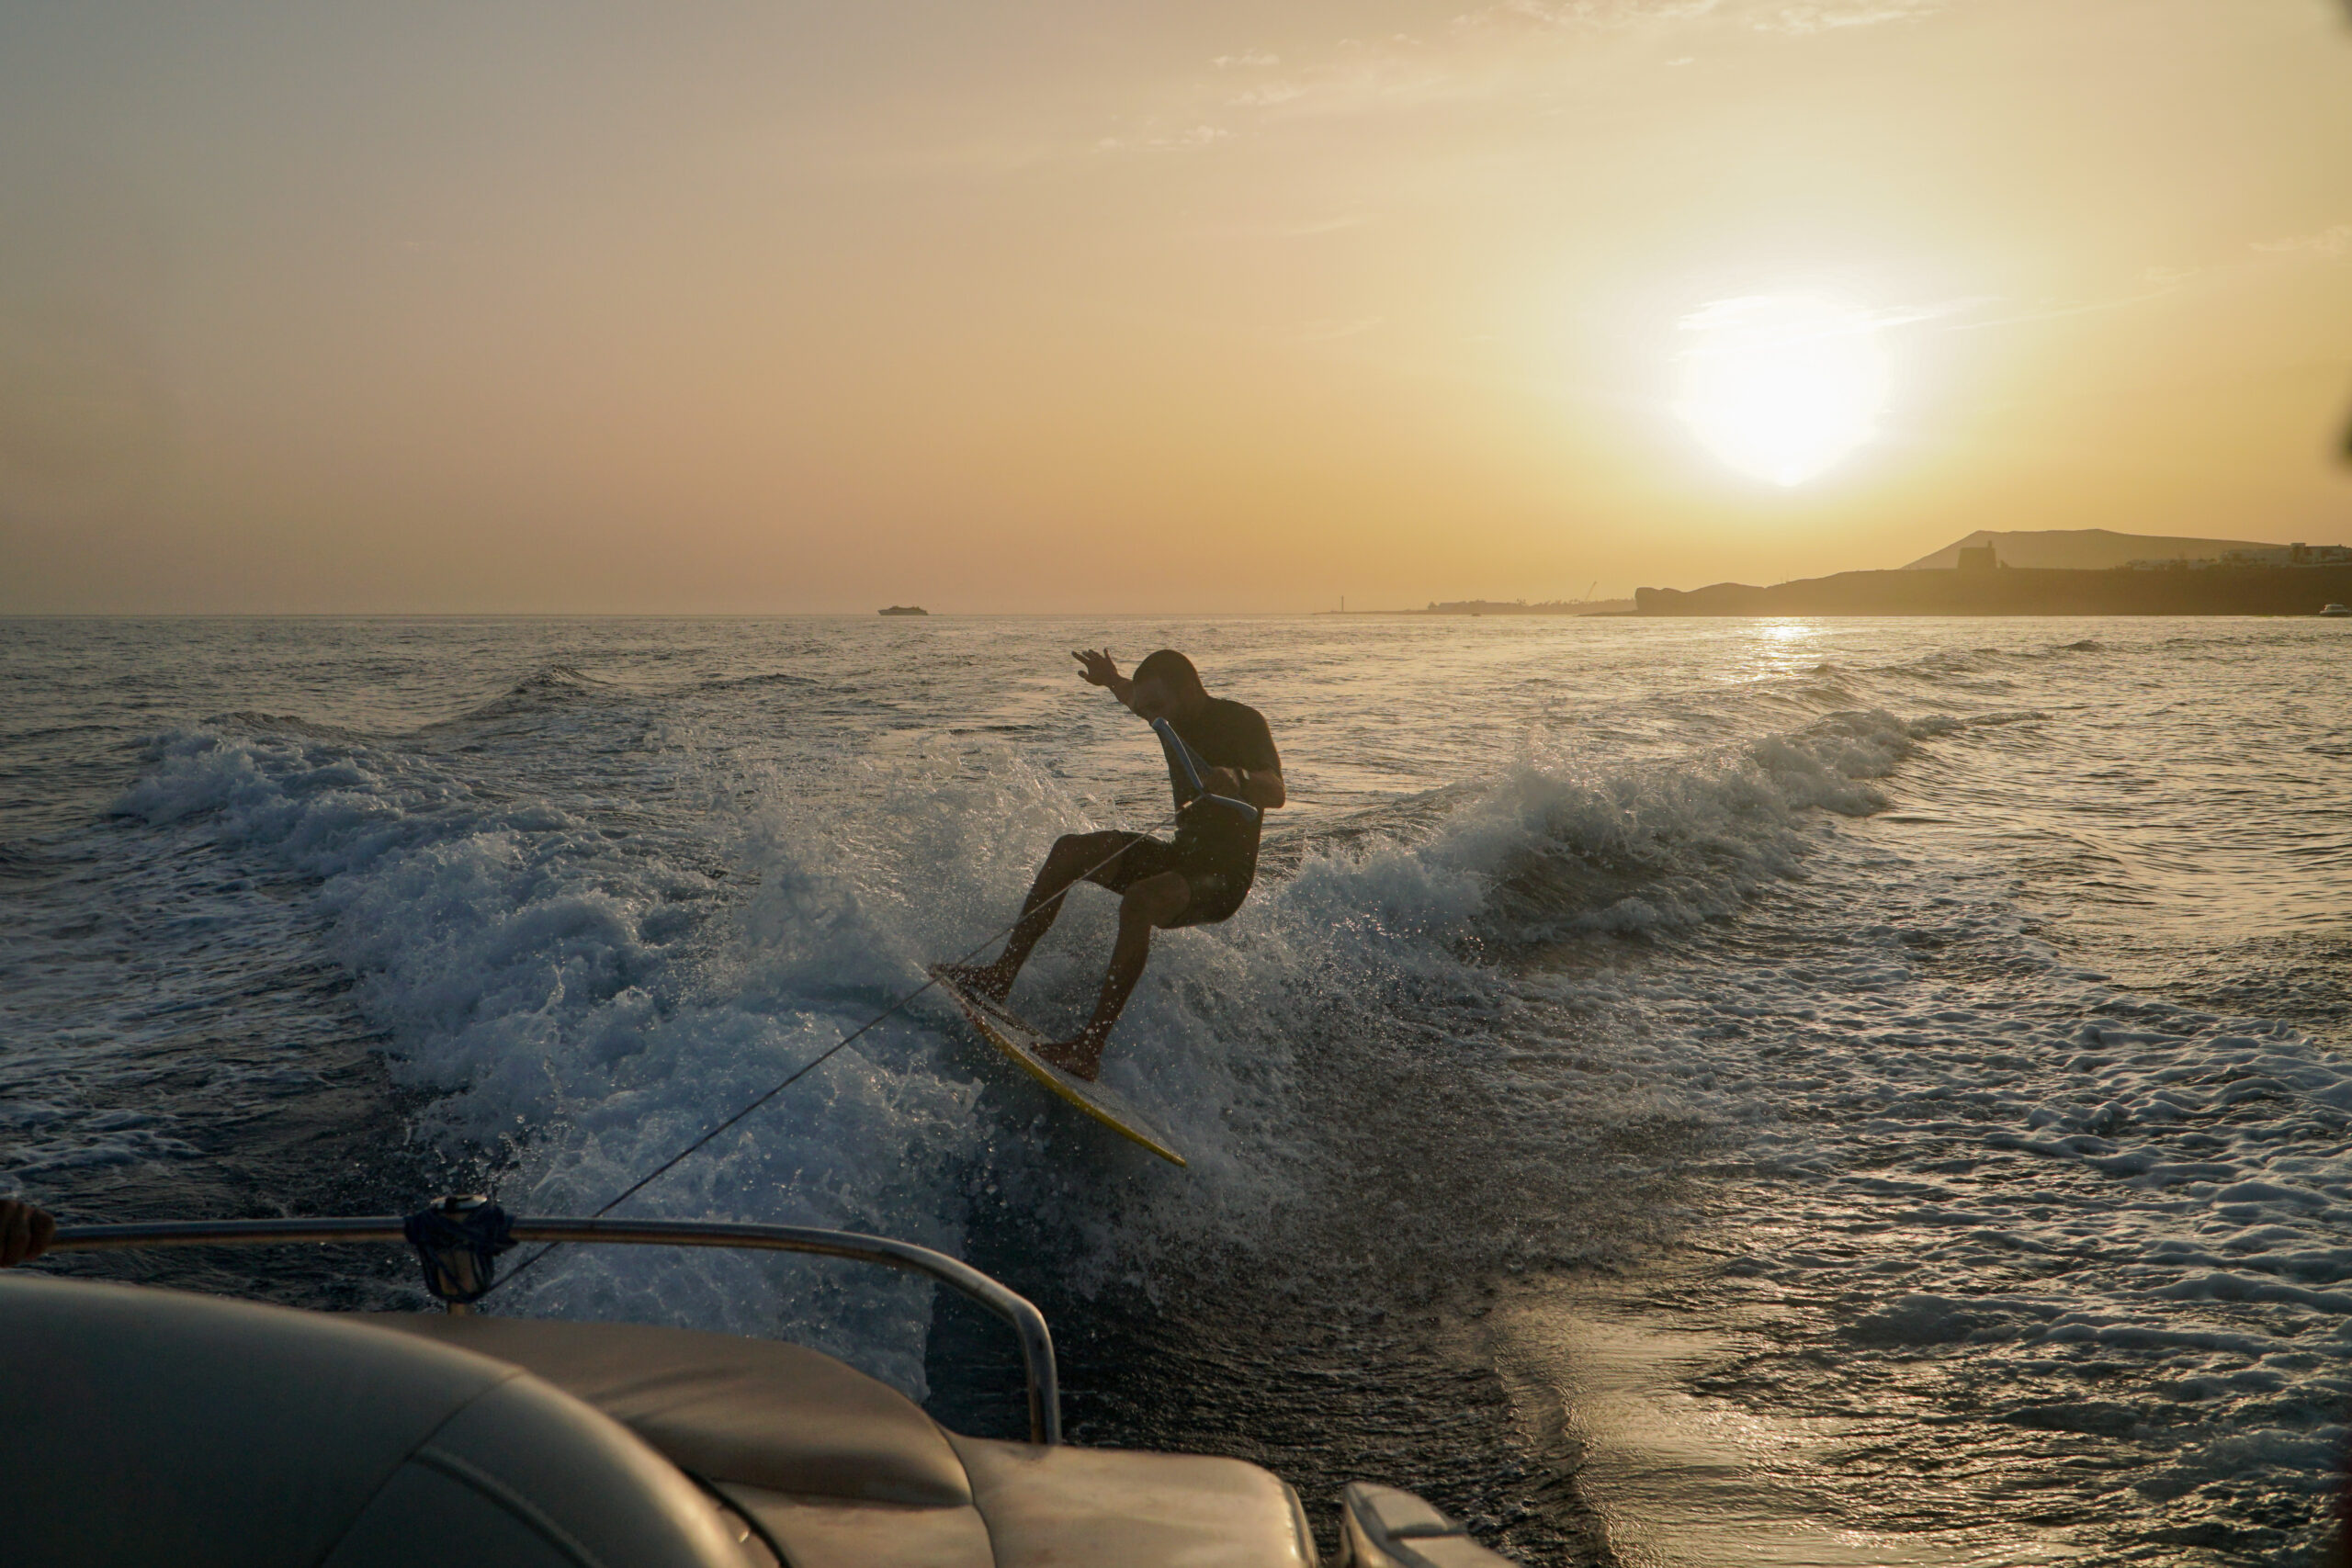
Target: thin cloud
[1492,52]
[1592,15]
[2331,242]
[1327,225]
[1823,18]
[1362,74]
[1935,310]
[1482,50]
[1332,330]
[2160,280]
[1793,17]
[1190,140]
[1836,318]
[2156,283]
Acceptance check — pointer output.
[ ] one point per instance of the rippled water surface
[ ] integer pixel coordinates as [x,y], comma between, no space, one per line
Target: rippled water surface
[1836,1091]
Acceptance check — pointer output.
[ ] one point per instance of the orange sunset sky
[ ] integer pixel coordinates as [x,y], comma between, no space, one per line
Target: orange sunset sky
[1202,307]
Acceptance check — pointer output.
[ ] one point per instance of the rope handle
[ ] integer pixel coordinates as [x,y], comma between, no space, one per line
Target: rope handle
[1182,757]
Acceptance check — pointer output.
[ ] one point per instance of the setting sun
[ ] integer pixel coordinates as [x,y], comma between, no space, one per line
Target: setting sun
[1781,385]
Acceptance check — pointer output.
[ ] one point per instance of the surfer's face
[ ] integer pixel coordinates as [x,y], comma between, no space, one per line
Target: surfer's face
[1152,699]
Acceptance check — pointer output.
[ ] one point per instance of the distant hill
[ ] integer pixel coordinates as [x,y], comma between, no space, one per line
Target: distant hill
[2025,590]
[2083,549]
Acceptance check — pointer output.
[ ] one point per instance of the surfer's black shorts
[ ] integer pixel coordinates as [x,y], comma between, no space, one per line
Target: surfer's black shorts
[1217,868]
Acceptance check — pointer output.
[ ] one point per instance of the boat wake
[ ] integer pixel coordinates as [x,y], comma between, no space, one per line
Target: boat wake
[1856,1002]
[583,986]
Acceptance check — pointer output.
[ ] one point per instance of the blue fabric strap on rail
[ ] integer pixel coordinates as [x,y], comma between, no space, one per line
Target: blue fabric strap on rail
[1185,765]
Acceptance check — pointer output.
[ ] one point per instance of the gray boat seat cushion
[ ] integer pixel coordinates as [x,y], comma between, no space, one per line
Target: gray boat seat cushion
[1064,1506]
[826,1532]
[148,1427]
[844,1472]
[1059,1508]
[780,1417]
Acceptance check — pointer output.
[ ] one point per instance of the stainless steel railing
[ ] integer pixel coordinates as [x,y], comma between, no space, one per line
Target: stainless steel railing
[1028,1323]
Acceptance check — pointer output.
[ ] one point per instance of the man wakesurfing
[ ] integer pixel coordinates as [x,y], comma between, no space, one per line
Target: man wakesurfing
[1224,771]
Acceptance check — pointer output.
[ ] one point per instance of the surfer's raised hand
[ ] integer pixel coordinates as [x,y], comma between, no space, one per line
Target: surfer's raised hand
[1096,668]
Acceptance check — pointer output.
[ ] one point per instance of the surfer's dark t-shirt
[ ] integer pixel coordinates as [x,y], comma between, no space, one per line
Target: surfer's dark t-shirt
[1225,735]
[1216,849]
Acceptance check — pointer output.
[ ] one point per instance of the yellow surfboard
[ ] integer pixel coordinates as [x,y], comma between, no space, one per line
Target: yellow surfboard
[1001,1029]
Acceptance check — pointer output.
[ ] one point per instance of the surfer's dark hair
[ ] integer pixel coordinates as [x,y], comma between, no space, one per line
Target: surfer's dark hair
[1168,667]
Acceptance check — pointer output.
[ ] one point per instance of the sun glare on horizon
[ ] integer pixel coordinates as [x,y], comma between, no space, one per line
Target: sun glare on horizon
[1781,385]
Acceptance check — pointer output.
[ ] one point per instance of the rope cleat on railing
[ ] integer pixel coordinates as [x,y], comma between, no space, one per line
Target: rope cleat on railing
[457,1241]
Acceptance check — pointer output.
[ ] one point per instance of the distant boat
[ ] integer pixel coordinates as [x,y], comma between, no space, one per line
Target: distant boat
[903,610]
[2334,609]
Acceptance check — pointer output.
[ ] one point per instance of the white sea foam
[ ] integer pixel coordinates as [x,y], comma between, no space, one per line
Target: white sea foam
[540,978]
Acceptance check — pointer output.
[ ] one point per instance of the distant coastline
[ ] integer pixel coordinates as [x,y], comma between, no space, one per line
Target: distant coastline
[2022,590]
[1522,607]
[1505,607]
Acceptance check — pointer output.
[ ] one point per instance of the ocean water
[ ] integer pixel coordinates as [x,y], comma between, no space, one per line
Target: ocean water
[1833,1091]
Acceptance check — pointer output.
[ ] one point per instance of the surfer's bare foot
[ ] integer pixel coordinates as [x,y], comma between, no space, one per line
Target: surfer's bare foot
[1079,1057]
[990,980]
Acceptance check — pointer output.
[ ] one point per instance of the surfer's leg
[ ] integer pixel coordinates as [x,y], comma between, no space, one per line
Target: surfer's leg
[1074,857]
[1156,901]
